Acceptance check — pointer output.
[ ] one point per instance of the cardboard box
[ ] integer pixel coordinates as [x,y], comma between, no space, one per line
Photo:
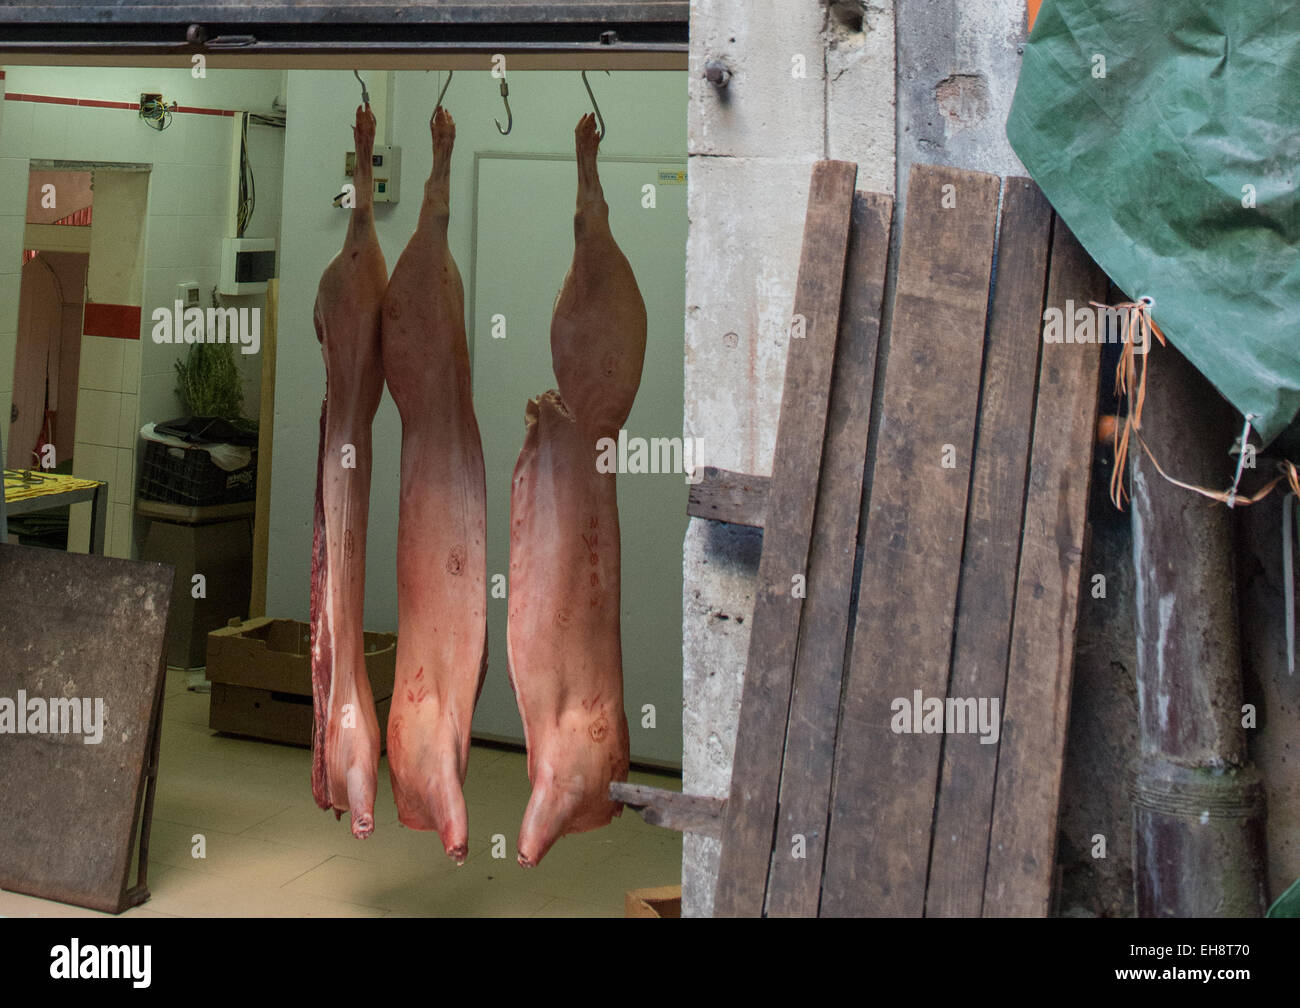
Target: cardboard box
[656,901]
[260,671]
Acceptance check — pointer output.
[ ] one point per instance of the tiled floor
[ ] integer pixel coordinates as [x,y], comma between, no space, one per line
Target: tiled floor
[272,852]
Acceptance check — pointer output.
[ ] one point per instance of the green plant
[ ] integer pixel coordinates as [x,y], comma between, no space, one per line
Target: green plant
[209,382]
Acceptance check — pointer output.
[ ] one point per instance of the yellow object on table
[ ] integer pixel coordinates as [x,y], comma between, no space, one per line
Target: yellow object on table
[21,484]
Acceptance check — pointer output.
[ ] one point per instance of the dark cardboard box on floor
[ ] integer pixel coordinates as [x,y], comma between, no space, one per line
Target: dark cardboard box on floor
[216,542]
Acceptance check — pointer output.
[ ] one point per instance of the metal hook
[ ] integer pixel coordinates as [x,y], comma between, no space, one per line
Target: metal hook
[599,118]
[443,92]
[510,116]
[365,95]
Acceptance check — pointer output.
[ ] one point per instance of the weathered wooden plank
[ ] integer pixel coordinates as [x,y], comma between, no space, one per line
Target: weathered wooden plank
[1022,844]
[765,703]
[89,631]
[883,800]
[988,576]
[795,885]
[723,495]
[686,813]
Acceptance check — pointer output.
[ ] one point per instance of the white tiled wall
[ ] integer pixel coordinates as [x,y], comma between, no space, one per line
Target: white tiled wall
[107,426]
[101,364]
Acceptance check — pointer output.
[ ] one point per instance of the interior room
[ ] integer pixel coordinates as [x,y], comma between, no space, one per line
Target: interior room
[126,187]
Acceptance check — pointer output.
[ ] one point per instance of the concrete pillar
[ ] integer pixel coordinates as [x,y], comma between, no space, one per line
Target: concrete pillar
[809,79]
[751,147]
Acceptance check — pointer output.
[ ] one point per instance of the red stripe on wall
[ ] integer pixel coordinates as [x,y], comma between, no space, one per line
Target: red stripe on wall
[49,99]
[115,321]
[97,103]
[195,110]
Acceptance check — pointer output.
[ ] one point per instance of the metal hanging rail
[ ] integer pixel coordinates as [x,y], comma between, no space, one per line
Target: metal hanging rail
[291,26]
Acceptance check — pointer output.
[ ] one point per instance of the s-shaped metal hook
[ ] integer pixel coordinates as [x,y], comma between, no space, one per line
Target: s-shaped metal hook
[365,95]
[443,92]
[599,118]
[510,116]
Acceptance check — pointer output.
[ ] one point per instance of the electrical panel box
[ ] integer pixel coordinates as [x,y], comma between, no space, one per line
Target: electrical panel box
[246,265]
[386,166]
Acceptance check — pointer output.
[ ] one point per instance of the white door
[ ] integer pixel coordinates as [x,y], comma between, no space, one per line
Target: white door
[524,242]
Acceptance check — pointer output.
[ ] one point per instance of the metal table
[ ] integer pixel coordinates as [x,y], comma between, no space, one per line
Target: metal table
[56,497]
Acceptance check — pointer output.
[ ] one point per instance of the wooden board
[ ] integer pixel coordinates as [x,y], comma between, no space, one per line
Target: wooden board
[78,627]
[687,813]
[723,495]
[765,704]
[992,544]
[882,805]
[1032,751]
[265,439]
[795,885]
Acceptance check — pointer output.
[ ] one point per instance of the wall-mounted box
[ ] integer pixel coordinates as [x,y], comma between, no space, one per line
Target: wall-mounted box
[386,166]
[246,265]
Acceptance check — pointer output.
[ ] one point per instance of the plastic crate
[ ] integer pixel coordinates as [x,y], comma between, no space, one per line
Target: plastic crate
[189,476]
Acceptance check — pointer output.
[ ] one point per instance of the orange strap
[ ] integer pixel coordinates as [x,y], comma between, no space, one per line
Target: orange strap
[1131,386]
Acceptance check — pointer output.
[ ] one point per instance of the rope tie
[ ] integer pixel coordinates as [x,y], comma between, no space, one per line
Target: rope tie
[1131,386]
[1131,382]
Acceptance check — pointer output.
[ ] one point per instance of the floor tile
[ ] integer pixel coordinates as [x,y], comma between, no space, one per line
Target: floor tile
[271,852]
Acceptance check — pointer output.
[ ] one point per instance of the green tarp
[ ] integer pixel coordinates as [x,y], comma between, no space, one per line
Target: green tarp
[1166,133]
[1288,904]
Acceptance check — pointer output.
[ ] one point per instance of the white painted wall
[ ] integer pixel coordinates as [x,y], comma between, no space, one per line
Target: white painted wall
[252,90]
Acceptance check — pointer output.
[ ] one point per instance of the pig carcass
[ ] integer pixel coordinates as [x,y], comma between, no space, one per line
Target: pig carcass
[441,557]
[345,735]
[563,643]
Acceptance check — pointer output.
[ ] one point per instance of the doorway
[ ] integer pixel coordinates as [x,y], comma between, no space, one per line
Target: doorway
[77,345]
[47,353]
